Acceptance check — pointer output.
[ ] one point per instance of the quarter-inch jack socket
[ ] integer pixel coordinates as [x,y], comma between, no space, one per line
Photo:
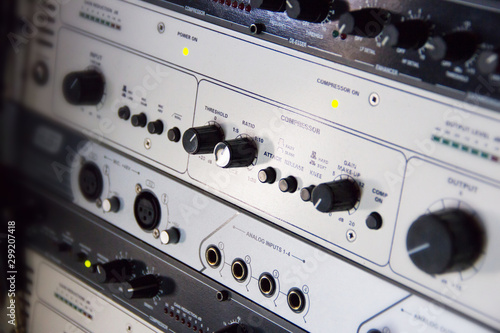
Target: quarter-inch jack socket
[239,270]
[213,256]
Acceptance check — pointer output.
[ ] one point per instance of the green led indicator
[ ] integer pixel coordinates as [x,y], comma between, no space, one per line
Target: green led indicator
[436,138]
[455,144]
[475,151]
[465,148]
[485,155]
[446,141]
[335,33]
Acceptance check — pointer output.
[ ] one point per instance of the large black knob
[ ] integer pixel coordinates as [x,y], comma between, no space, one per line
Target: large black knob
[445,241]
[113,271]
[366,22]
[234,328]
[146,286]
[272,5]
[83,88]
[202,140]
[488,62]
[235,153]
[455,46]
[409,34]
[335,196]
[307,10]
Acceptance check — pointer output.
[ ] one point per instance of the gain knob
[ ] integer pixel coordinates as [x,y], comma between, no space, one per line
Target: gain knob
[235,153]
[455,46]
[409,34]
[83,88]
[202,140]
[366,22]
[446,241]
[335,196]
[113,271]
[146,286]
[307,10]
[272,5]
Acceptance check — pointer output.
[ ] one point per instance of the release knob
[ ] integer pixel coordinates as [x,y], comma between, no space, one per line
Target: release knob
[335,196]
[446,241]
[235,153]
[455,46]
[155,127]
[366,22]
[288,184]
[146,286]
[111,205]
[272,5]
[113,271]
[307,10]
[83,88]
[139,120]
[409,34]
[202,140]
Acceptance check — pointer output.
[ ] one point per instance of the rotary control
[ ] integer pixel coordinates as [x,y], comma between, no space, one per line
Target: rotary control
[488,62]
[335,196]
[139,120]
[111,205]
[83,88]
[409,34]
[235,153]
[233,328]
[307,10]
[455,46]
[155,127]
[202,140]
[272,5]
[366,22]
[446,241]
[113,271]
[146,286]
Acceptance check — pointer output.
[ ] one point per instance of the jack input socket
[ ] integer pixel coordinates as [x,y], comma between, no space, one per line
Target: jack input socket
[267,285]
[296,300]
[239,270]
[213,256]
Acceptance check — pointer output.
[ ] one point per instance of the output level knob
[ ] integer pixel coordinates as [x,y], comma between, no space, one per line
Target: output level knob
[235,153]
[455,46]
[366,22]
[272,5]
[83,88]
[335,196]
[409,34]
[446,241]
[307,10]
[113,271]
[146,286]
[202,140]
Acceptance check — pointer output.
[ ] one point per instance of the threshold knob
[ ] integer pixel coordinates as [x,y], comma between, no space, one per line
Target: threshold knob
[83,88]
[335,196]
[272,5]
[202,140]
[366,22]
[235,153]
[307,10]
[113,271]
[146,286]
[446,241]
[455,46]
[410,34]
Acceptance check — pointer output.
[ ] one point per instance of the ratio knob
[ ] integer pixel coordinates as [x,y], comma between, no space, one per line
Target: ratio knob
[410,34]
[146,286]
[235,153]
[83,88]
[455,46]
[272,5]
[366,22]
[113,271]
[445,241]
[335,196]
[307,10]
[202,140]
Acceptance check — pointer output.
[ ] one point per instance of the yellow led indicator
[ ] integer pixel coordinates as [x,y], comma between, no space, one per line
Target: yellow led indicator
[88,263]
[335,104]
[185,51]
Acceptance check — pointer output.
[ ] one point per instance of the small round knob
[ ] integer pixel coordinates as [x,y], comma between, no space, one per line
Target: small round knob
[488,62]
[455,46]
[139,120]
[170,236]
[267,175]
[155,127]
[111,205]
[202,140]
[335,196]
[272,5]
[113,271]
[410,34]
[446,241]
[307,10]
[306,193]
[83,88]
[235,153]
[374,221]
[124,113]
[146,286]
[174,134]
[366,22]
[288,184]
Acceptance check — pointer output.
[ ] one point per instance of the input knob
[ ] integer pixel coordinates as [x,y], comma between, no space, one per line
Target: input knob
[146,286]
[366,22]
[272,5]
[455,46]
[335,196]
[307,10]
[113,271]
[235,153]
[202,140]
[410,34]
[83,88]
[446,241]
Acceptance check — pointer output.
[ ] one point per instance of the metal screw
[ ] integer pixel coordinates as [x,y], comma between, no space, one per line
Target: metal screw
[351,235]
[147,143]
[374,99]
[156,233]
[138,188]
[161,27]
[98,203]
